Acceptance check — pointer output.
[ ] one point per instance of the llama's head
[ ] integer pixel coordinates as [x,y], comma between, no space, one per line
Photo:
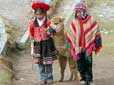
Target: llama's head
[57,23]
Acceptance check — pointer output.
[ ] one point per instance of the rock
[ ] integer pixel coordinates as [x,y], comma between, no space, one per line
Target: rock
[10,33]
[22,42]
[3,38]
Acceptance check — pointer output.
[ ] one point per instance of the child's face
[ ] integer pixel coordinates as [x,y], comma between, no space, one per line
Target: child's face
[40,15]
[78,14]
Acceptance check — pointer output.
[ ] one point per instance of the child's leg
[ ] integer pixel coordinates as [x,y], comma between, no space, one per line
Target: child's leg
[42,72]
[89,74]
[49,72]
[82,67]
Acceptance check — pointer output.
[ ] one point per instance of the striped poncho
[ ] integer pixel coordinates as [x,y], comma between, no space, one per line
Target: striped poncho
[84,35]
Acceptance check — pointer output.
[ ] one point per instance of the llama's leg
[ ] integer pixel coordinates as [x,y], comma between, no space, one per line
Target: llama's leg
[73,68]
[62,63]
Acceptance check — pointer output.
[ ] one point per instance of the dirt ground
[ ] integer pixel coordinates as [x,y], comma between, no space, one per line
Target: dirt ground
[103,66]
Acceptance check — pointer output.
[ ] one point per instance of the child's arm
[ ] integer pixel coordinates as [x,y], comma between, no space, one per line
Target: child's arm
[98,41]
[31,29]
[50,30]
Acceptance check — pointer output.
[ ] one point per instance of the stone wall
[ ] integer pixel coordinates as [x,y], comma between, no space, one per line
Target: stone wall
[3,38]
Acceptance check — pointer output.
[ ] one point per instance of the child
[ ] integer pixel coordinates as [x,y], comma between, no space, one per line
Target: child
[44,51]
[84,37]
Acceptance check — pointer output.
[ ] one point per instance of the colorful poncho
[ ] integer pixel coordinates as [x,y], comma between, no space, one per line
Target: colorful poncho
[84,35]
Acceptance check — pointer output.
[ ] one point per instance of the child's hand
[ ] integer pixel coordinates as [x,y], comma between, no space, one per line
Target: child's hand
[51,31]
[97,54]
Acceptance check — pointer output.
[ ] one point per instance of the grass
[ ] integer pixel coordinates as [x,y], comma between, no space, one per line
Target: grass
[5,77]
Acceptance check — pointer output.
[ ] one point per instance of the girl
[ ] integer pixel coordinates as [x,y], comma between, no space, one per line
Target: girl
[44,51]
[84,37]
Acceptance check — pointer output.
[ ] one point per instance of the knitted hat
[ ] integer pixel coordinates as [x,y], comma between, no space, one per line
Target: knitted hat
[80,6]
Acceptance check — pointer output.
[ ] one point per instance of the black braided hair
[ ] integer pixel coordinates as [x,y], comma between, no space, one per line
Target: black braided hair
[36,24]
[39,10]
[45,22]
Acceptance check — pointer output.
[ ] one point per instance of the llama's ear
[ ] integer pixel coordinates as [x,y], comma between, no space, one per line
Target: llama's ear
[62,19]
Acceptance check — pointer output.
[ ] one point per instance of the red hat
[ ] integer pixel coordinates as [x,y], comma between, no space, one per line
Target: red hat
[37,4]
[80,6]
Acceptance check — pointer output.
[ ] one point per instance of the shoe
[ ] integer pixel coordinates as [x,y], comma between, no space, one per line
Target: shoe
[42,83]
[89,83]
[60,80]
[49,82]
[82,81]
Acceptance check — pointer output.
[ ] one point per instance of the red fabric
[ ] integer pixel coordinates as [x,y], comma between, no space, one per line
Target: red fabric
[82,37]
[98,49]
[38,33]
[73,29]
[98,35]
[92,27]
[73,52]
[86,20]
[31,28]
[36,5]
[87,36]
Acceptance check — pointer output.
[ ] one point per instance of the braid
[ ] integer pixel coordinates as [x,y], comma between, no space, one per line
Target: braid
[75,16]
[45,22]
[36,23]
